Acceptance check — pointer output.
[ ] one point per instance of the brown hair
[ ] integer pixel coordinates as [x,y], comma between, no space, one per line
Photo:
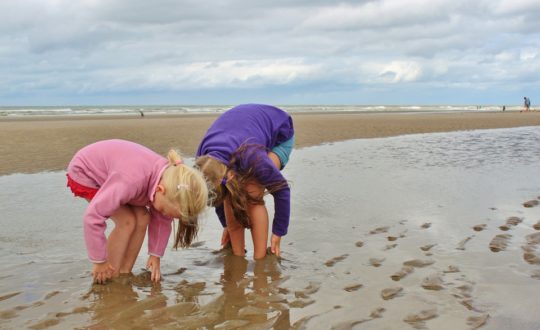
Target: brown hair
[238,173]
[186,187]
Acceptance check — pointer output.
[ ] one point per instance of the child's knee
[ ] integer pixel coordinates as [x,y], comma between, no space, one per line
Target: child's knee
[142,216]
[124,219]
[255,190]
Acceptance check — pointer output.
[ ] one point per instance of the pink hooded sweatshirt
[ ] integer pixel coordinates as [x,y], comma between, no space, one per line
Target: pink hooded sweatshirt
[125,173]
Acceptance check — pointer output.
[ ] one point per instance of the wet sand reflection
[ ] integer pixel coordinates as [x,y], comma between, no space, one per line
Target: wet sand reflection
[247,299]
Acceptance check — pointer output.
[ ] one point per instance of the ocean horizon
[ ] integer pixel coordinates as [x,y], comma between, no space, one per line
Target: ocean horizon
[130,110]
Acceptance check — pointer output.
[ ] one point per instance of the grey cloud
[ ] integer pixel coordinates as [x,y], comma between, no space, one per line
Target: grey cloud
[84,47]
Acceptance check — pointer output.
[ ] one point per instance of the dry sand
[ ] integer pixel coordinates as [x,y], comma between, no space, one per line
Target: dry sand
[32,145]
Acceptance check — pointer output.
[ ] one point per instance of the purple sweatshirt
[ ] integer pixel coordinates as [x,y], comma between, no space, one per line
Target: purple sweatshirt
[125,173]
[259,124]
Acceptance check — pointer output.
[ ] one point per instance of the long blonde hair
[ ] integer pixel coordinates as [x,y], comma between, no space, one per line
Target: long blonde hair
[186,187]
[233,187]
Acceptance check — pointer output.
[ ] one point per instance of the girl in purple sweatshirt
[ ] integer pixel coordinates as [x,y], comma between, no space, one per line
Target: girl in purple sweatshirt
[241,156]
[136,188]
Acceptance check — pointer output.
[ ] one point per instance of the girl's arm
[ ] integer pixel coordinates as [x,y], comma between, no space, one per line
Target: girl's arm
[159,231]
[267,174]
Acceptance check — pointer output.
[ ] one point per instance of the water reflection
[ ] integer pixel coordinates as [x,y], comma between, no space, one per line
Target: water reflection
[119,304]
[255,300]
[251,296]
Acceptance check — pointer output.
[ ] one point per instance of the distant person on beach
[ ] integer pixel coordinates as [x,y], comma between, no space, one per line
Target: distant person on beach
[504,108]
[526,103]
[136,188]
[241,156]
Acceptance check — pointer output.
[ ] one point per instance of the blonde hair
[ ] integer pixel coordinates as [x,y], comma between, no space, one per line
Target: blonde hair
[214,171]
[186,187]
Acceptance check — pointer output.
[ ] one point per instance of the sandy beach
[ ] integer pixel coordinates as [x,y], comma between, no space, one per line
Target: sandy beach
[389,230]
[51,142]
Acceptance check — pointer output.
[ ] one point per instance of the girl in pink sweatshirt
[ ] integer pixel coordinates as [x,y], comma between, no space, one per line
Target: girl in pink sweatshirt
[136,188]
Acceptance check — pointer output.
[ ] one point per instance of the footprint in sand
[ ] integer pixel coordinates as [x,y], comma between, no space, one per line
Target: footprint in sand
[499,242]
[377,313]
[533,239]
[419,263]
[51,294]
[417,320]
[476,322]
[389,247]
[511,222]
[461,245]
[536,274]
[353,287]
[45,323]
[451,269]
[532,257]
[379,230]
[464,293]
[433,282]
[405,270]
[426,225]
[531,203]
[479,227]
[301,303]
[8,314]
[537,225]
[391,293]
[427,247]
[359,244]
[312,288]
[504,227]
[333,261]
[376,262]
[9,295]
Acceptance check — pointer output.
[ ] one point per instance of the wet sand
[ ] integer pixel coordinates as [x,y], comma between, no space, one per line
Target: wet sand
[434,231]
[31,145]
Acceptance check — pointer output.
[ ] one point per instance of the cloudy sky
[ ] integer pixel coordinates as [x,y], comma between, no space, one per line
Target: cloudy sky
[105,52]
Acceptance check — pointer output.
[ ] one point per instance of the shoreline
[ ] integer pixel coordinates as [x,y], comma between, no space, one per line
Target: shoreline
[31,145]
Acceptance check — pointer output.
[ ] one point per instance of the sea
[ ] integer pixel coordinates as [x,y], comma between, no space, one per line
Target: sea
[130,110]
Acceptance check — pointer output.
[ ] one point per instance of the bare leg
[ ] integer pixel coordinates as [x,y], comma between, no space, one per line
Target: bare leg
[259,221]
[235,229]
[117,243]
[259,230]
[142,217]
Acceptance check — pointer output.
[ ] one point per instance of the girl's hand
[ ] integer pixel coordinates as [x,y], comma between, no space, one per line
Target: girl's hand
[225,237]
[154,266]
[275,245]
[101,272]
